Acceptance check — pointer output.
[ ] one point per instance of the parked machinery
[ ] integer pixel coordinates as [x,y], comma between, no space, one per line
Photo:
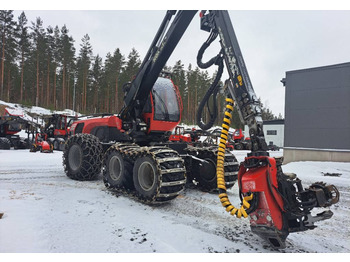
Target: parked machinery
[57,128]
[11,123]
[241,142]
[40,144]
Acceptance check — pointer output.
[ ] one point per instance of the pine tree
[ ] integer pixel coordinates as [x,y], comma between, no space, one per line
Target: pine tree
[83,67]
[96,78]
[266,113]
[67,55]
[49,56]
[118,63]
[57,52]
[132,66]
[23,46]
[39,47]
[7,34]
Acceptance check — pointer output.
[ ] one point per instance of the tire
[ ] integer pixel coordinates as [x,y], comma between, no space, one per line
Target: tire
[239,146]
[206,177]
[33,148]
[5,143]
[117,172]
[82,157]
[146,177]
[55,144]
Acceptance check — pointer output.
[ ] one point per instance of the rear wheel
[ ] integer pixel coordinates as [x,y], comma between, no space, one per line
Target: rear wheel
[117,171]
[82,157]
[146,177]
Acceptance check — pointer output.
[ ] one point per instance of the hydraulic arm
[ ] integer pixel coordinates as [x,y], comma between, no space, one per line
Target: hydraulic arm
[275,202]
[158,54]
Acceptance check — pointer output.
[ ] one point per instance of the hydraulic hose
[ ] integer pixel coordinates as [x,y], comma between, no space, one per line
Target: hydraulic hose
[214,87]
[220,172]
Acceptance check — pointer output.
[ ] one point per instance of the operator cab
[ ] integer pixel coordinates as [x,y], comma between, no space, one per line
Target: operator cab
[162,112]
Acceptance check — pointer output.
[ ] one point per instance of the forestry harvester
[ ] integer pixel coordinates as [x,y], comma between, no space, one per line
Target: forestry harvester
[136,156]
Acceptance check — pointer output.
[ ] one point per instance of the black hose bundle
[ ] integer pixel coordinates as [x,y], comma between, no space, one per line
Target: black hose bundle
[214,87]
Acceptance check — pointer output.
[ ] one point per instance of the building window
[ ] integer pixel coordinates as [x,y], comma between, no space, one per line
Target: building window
[272,132]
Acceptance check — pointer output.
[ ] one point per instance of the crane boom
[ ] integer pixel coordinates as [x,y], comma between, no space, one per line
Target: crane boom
[158,54]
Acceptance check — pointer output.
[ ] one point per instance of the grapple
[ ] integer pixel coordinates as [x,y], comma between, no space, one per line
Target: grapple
[280,204]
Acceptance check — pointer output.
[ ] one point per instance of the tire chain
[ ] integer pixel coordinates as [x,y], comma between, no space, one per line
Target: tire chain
[167,162]
[5,143]
[91,147]
[231,164]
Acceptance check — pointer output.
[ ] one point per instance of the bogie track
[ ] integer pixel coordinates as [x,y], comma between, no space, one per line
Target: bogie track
[158,173]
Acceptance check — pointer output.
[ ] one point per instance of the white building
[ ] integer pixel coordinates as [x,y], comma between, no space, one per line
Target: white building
[273,132]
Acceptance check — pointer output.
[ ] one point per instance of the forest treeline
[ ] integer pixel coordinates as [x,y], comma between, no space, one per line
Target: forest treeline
[40,66]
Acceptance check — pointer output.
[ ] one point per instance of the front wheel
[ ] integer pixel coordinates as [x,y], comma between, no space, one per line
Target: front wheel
[82,157]
[5,143]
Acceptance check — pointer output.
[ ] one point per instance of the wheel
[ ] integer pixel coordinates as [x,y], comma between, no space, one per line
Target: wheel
[146,177]
[117,172]
[238,146]
[33,148]
[5,143]
[51,148]
[204,173]
[55,145]
[82,157]
[206,177]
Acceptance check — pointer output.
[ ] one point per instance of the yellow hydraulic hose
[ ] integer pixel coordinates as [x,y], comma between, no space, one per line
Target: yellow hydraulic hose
[220,172]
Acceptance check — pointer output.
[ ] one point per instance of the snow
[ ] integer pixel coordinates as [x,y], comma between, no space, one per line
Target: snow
[36,110]
[44,211]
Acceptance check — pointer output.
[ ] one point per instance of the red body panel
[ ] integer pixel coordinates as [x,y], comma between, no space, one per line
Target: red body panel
[60,132]
[153,125]
[44,145]
[270,204]
[238,135]
[110,121]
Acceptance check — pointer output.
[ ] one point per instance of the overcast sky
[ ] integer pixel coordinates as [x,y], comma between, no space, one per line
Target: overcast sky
[272,42]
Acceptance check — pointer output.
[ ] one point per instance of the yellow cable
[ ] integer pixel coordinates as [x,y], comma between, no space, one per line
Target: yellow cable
[220,172]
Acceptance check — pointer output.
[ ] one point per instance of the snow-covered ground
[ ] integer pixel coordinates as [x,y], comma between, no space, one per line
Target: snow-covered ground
[44,211]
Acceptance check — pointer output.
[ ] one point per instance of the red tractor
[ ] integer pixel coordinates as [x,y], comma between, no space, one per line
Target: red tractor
[133,150]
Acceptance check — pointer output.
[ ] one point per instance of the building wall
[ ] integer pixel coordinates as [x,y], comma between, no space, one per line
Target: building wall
[317,109]
[273,132]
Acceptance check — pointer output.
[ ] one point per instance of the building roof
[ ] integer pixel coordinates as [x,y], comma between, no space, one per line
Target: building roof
[274,122]
[319,68]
